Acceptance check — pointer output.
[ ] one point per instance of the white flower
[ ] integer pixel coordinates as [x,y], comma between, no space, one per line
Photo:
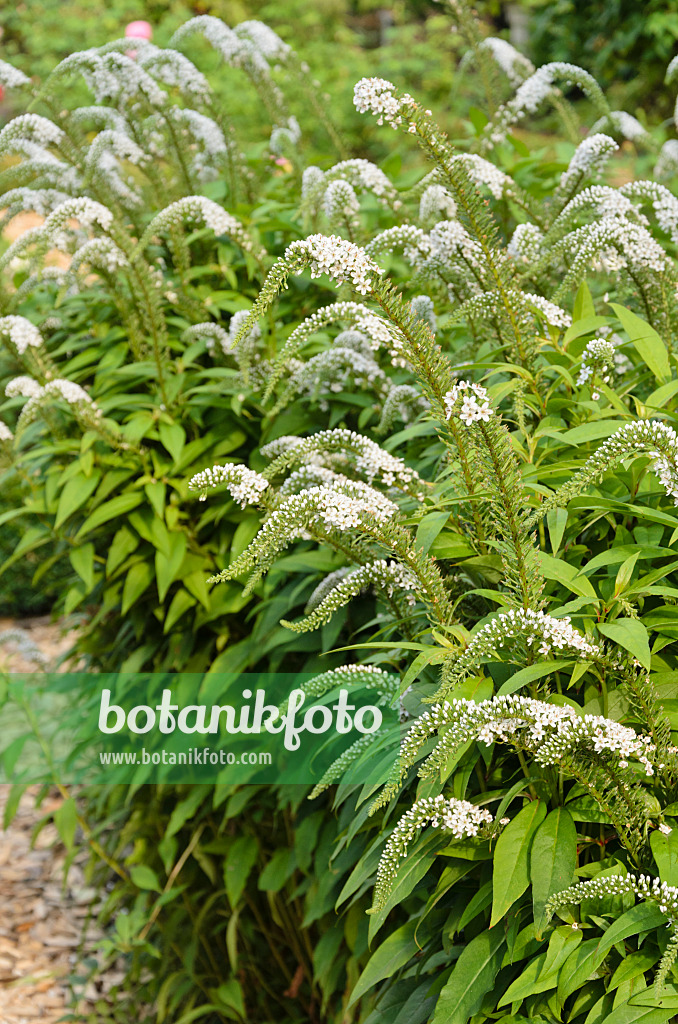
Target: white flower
[627,125]
[237,320]
[340,259]
[312,180]
[667,161]
[210,213]
[21,332]
[376,96]
[367,177]
[284,136]
[475,405]
[552,733]
[512,62]
[484,173]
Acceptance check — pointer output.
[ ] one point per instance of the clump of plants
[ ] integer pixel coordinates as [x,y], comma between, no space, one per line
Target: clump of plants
[497,464]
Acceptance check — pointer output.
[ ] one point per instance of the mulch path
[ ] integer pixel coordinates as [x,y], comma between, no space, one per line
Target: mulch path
[47,921]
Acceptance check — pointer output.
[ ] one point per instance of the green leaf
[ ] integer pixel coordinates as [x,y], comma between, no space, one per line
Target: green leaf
[180,603]
[167,566]
[241,858]
[529,674]
[277,871]
[556,521]
[472,978]
[185,810]
[646,341]
[82,560]
[74,495]
[583,303]
[592,431]
[429,528]
[589,324]
[630,634]
[510,869]
[155,492]
[138,580]
[123,544]
[633,966]
[411,871]
[478,119]
[566,574]
[392,954]
[541,974]
[553,858]
[590,955]
[112,509]
[66,822]
[665,853]
[628,1014]
[173,438]
[624,573]
[144,877]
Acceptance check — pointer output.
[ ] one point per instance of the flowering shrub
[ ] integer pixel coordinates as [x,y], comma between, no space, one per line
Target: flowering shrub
[119,384]
[504,327]
[532,497]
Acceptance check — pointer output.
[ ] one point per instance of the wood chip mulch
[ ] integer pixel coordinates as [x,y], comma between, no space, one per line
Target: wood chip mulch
[47,925]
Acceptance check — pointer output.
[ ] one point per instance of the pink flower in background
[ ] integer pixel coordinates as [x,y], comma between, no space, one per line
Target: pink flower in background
[139,30]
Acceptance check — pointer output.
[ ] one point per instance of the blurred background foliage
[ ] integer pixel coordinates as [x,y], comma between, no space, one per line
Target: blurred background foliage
[624,42]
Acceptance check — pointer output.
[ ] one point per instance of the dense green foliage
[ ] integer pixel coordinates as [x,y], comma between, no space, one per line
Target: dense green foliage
[503,352]
[620,43]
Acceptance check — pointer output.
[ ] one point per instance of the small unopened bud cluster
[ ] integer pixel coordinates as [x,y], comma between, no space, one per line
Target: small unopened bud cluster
[536,629]
[385,683]
[210,213]
[644,886]
[657,438]
[22,387]
[460,818]
[33,127]
[371,461]
[589,158]
[348,507]
[341,203]
[66,390]
[436,202]
[386,576]
[526,245]
[243,484]
[598,360]
[11,77]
